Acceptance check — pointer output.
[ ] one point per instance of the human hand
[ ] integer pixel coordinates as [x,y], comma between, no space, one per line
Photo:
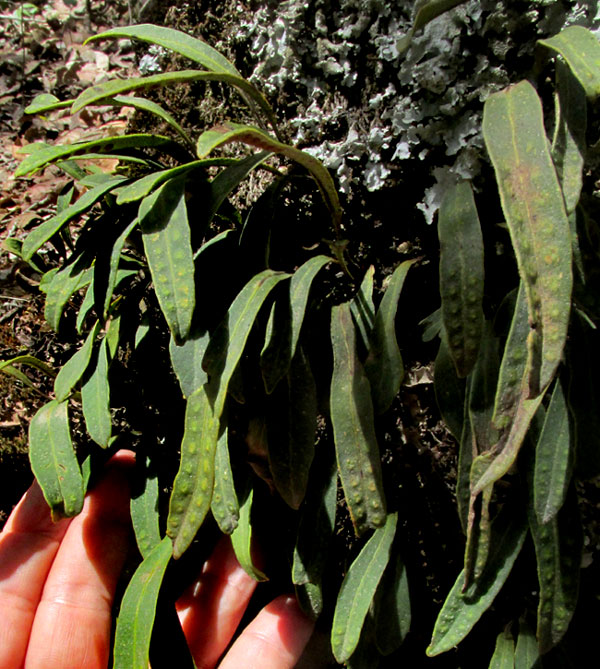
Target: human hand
[57,584]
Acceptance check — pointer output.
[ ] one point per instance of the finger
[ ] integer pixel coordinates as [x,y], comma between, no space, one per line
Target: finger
[28,544]
[72,623]
[275,639]
[210,610]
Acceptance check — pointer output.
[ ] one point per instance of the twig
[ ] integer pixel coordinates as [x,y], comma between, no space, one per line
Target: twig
[11,312]
[12,297]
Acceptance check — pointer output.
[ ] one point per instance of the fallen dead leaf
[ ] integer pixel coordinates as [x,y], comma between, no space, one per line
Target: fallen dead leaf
[113,128]
[108,165]
[91,74]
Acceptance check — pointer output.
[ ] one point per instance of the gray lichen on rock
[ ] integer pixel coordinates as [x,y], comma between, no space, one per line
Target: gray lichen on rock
[367,111]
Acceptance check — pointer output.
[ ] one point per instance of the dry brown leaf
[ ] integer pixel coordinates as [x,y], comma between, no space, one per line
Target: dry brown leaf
[89,73]
[113,128]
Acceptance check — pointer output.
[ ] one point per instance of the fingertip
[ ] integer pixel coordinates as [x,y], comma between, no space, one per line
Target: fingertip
[78,593]
[122,459]
[110,496]
[212,607]
[32,514]
[275,639]
[294,626]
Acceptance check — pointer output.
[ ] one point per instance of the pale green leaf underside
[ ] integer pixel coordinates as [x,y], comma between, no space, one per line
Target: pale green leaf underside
[393,609]
[358,589]
[145,512]
[75,367]
[186,360]
[46,102]
[581,49]
[62,285]
[527,653]
[30,361]
[53,460]
[95,399]
[138,609]
[504,652]
[241,540]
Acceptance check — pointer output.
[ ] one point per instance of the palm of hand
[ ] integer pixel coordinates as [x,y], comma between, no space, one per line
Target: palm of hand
[57,584]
